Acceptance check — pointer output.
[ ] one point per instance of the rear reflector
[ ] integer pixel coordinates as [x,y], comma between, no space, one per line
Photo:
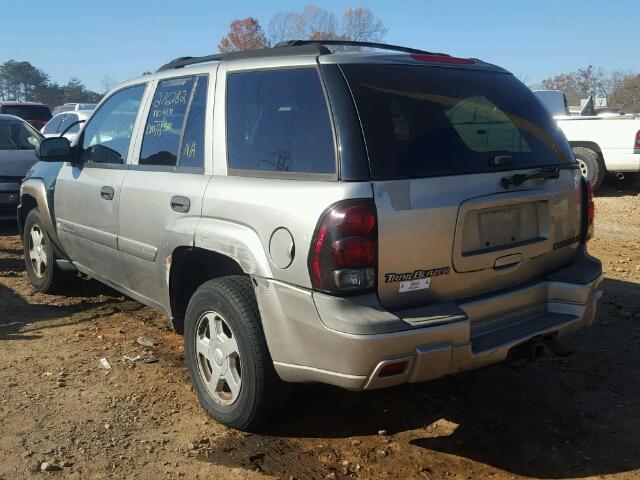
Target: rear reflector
[393,369]
[420,57]
[637,145]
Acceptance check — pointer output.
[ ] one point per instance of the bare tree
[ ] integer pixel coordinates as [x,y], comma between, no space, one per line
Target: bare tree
[311,23]
[625,91]
[566,83]
[107,83]
[590,81]
[361,25]
[243,35]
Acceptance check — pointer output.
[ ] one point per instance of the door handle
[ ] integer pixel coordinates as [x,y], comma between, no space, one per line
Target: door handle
[107,193]
[180,204]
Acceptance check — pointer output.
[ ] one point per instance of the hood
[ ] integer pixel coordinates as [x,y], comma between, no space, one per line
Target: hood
[15,163]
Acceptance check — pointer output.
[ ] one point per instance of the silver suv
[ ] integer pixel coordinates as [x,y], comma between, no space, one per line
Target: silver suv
[361,219]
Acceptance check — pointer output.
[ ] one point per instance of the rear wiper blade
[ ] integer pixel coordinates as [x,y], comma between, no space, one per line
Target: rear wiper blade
[519,178]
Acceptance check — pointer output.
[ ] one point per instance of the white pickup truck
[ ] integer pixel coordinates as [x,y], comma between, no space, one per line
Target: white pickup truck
[601,144]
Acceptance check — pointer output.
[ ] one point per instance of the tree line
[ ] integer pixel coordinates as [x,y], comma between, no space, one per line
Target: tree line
[21,81]
[622,89]
[311,23]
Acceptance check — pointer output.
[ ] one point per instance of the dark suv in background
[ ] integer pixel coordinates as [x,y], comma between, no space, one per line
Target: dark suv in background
[37,114]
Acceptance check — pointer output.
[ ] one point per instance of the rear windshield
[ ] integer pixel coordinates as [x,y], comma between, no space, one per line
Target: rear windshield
[27,112]
[428,121]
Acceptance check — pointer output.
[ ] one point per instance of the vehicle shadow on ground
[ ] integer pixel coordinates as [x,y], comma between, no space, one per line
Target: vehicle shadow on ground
[576,416]
[21,319]
[612,187]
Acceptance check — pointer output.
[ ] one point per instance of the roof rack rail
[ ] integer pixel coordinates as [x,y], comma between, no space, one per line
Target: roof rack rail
[354,43]
[312,48]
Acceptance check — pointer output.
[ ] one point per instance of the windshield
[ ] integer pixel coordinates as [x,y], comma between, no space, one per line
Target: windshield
[428,121]
[28,112]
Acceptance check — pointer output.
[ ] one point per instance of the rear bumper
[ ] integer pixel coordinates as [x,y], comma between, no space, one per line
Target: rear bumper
[622,160]
[311,336]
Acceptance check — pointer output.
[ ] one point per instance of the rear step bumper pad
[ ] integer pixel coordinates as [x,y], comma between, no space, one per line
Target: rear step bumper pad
[304,348]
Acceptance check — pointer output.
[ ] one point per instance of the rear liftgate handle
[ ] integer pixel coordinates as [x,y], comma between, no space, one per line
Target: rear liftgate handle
[507,261]
[180,204]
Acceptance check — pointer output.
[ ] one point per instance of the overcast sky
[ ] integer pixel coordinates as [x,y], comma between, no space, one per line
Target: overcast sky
[123,38]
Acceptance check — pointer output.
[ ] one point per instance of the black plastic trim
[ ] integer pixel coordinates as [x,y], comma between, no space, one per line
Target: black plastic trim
[354,163]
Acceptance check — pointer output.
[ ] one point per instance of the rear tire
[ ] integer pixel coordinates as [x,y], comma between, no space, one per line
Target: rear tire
[227,355]
[591,165]
[40,257]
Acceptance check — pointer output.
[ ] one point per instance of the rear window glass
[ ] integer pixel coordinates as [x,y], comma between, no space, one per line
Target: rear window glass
[53,125]
[68,121]
[428,121]
[28,112]
[278,121]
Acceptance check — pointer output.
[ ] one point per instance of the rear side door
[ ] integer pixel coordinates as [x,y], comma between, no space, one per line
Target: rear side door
[444,145]
[165,186]
[87,194]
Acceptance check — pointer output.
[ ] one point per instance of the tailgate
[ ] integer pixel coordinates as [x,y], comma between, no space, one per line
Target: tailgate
[448,239]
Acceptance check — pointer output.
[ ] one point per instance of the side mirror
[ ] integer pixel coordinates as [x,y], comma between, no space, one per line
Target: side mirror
[54,149]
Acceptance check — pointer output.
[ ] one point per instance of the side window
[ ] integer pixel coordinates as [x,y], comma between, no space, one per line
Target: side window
[162,132]
[107,137]
[192,149]
[53,125]
[68,120]
[278,121]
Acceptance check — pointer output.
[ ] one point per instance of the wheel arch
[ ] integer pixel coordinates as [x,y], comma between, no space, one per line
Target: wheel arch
[587,144]
[33,194]
[190,268]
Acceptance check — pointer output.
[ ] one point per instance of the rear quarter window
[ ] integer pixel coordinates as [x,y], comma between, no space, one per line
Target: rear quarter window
[427,121]
[278,121]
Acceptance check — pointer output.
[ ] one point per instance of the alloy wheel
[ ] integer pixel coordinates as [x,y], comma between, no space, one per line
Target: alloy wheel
[37,251]
[218,358]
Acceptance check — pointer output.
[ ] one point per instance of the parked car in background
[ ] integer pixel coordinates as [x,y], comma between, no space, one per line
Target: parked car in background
[67,107]
[358,219]
[37,114]
[602,144]
[18,141]
[68,123]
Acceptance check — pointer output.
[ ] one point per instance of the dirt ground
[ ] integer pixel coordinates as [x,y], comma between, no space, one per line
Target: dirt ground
[571,417]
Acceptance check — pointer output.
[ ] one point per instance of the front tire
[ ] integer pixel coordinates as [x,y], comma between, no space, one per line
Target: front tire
[591,165]
[40,258]
[229,363]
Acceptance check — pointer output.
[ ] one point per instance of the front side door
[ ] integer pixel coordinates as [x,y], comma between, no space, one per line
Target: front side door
[87,192]
[166,183]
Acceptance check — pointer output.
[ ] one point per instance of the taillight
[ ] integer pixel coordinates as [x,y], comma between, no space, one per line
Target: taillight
[637,145]
[588,211]
[344,250]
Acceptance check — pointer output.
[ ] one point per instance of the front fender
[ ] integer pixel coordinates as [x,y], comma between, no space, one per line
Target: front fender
[236,241]
[36,189]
